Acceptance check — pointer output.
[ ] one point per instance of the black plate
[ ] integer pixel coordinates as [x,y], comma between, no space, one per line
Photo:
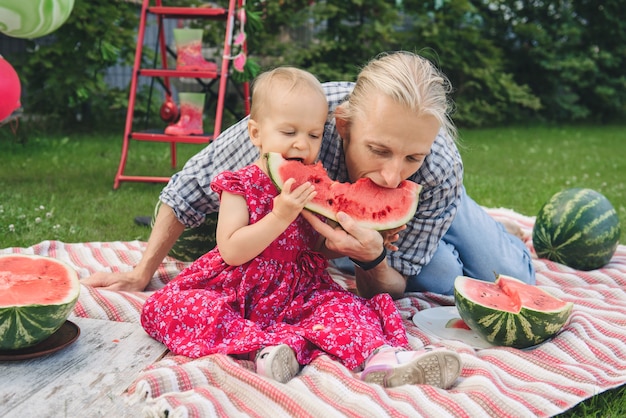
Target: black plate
[64,336]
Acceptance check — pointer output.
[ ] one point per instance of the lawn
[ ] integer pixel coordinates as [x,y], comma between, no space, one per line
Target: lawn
[61,187]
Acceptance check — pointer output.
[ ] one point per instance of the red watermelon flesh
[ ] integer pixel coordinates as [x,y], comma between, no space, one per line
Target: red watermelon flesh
[32,281]
[457,323]
[370,205]
[509,294]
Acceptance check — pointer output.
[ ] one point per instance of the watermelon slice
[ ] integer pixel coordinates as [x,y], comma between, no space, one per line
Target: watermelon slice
[370,205]
[37,294]
[510,312]
[457,323]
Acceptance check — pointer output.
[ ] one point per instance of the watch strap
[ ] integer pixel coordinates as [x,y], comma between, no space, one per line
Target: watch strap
[368,265]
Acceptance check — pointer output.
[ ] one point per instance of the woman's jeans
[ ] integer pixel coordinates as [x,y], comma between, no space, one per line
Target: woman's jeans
[476,246]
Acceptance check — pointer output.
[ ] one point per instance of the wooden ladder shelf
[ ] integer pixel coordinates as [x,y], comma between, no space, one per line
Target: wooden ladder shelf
[220,76]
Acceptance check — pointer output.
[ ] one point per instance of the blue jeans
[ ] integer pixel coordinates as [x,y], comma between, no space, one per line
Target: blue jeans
[476,246]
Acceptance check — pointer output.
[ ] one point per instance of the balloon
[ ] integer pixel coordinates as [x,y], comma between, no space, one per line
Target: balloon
[33,18]
[10,89]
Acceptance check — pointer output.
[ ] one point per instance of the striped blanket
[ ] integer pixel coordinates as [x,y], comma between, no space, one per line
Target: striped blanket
[586,358]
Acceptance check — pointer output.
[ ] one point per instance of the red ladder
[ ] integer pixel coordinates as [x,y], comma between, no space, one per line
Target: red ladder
[161,12]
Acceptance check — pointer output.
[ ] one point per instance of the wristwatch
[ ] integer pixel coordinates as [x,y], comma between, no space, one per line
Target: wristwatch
[368,265]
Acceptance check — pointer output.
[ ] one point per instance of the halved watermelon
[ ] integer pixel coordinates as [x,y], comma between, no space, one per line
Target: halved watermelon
[510,312]
[37,294]
[370,205]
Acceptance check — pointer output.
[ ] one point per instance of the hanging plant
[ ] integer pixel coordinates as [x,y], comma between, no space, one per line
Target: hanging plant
[244,68]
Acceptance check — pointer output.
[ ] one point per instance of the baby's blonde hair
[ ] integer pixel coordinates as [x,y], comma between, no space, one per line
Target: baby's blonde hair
[281,80]
[409,80]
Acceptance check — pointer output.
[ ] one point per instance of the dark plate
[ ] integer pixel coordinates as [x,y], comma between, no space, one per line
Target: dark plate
[64,336]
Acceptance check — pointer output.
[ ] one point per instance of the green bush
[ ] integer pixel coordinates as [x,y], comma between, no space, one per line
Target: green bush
[571,53]
[62,74]
[454,35]
[508,61]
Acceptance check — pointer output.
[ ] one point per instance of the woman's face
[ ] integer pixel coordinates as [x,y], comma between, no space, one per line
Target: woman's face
[387,143]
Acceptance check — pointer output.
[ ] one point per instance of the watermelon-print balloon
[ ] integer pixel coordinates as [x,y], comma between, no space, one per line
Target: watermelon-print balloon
[10,89]
[33,18]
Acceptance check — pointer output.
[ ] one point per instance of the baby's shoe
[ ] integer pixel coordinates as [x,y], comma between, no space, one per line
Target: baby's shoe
[277,362]
[390,367]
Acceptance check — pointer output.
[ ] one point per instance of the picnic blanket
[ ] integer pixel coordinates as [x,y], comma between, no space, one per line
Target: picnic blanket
[586,358]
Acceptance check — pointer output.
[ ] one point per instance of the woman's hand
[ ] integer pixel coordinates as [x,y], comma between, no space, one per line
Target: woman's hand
[348,238]
[126,281]
[390,236]
[363,244]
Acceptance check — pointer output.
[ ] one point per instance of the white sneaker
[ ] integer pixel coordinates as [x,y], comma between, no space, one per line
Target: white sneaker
[390,367]
[277,362]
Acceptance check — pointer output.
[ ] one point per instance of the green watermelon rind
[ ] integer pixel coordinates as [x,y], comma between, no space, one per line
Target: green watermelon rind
[524,329]
[578,228]
[23,326]
[274,161]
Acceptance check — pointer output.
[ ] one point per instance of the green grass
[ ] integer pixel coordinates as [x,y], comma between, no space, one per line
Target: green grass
[61,187]
[521,168]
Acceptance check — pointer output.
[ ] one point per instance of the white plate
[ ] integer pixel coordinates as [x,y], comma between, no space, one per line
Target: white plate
[433,321]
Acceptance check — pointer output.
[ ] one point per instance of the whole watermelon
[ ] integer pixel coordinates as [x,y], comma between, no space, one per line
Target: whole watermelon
[577,227]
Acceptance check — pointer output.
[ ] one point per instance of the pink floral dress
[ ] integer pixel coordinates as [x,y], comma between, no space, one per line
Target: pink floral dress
[285,295]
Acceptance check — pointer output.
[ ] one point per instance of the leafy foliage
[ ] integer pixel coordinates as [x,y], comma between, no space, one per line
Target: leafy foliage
[63,73]
[554,61]
[570,52]
[329,38]
[453,34]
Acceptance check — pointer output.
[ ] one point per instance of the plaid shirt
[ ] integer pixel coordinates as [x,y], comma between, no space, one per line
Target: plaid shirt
[441,176]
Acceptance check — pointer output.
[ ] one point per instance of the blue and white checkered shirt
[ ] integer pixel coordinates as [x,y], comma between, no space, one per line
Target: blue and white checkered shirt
[441,176]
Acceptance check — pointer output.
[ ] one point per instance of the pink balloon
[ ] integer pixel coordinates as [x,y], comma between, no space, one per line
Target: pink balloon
[10,89]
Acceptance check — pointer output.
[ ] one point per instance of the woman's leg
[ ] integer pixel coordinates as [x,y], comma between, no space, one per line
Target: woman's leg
[476,246]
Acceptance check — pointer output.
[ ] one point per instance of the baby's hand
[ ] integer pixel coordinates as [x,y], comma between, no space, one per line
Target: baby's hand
[289,203]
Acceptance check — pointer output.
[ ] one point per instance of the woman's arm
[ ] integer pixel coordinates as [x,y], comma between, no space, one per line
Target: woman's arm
[348,239]
[164,234]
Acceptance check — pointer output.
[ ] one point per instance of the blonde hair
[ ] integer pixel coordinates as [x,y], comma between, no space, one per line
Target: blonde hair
[408,79]
[281,80]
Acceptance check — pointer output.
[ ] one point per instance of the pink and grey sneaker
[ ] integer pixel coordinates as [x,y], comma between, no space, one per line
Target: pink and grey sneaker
[277,362]
[391,367]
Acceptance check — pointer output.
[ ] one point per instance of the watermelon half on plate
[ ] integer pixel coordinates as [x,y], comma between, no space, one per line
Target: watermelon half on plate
[510,312]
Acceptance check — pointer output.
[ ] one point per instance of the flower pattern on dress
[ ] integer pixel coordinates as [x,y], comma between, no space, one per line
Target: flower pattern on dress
[283,296]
